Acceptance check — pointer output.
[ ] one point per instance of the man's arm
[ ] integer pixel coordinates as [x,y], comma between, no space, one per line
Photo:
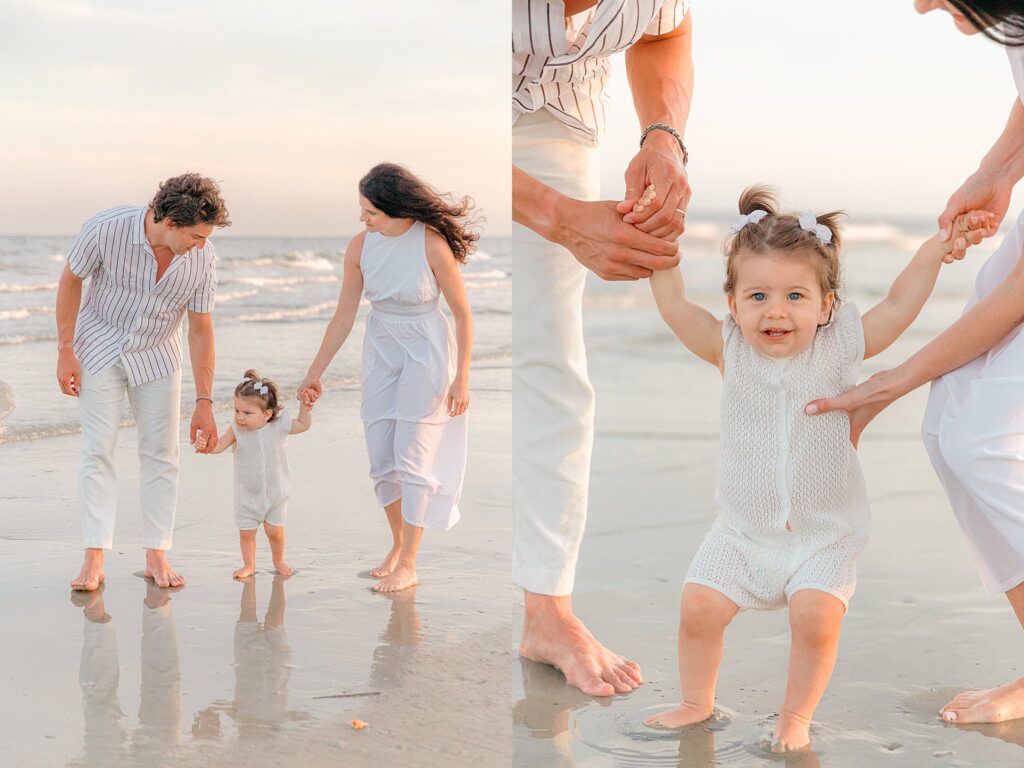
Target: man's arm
[69,301]
[660,71]
[201,352]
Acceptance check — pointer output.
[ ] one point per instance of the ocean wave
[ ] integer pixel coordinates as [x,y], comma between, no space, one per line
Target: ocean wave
[230,296]
[487,274]
[291,314]
[23,312]
[263,282]
[310,260]
[27,288]
[7,341]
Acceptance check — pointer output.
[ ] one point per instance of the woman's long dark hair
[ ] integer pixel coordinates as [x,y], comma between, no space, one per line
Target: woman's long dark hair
[396,192]
[999,20]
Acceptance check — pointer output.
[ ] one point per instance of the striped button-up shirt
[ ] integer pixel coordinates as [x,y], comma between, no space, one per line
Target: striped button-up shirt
[562,68]
[127,314]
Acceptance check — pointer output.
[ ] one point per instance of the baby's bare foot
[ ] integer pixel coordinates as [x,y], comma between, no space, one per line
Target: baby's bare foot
[562,640]
[402,577]
[995,705]
[792,734]
[244,572]
[386,567]
[283,568]
[679,717]
[160,571]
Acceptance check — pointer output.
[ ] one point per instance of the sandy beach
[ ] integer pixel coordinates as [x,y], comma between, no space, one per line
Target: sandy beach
[919,628]
[273,671]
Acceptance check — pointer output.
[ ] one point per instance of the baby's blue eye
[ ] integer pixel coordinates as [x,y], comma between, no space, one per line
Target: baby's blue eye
[794,296]
[758,296]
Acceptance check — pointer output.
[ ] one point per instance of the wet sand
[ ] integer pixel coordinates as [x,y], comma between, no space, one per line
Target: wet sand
[272,671]
[919,628]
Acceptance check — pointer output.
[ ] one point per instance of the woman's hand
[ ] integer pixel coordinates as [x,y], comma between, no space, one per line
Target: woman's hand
[458,397]
[309,391]
[983,190]
[863,402]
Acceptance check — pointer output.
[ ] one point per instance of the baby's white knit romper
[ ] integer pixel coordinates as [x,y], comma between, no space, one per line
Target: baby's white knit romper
[262,477]
[792,506]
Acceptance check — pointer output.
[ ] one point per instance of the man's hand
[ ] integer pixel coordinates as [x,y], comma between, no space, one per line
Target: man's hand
[983,190]
[69,373]
[601,241]
[659,162]
[202,420]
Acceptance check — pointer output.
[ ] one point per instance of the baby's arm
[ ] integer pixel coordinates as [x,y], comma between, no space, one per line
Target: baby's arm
[697,328]
[885,321]
[224,442]
[303,421]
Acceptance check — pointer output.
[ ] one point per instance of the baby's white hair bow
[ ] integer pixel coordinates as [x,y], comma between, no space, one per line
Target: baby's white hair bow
[809,223]
[751,218]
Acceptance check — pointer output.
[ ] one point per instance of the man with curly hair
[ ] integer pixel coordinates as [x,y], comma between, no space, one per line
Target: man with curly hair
[146,266]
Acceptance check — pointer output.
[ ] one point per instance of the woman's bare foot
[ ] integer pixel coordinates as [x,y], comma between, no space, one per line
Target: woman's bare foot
[402,577]
[283,568]
[792,734]
[91,575]
[553,635]
[679,717]
[244,572]
[995,705]
[388,565]
[160,571]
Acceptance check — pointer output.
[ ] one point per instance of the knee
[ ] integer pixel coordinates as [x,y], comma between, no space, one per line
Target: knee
[703,612]
[275,533]
[816,626]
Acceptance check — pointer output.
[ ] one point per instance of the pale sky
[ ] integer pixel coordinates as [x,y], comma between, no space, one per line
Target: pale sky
[866,106]
[286,103]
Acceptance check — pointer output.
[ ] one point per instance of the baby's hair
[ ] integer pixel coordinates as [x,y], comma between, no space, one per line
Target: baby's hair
[252,385]
[781,233]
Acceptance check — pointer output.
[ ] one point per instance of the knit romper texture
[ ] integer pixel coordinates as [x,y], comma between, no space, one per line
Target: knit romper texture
[792,506]
[262,476]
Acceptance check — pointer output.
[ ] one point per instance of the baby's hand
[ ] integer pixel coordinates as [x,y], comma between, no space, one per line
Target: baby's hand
[201,441]
[969,229]
[308,398]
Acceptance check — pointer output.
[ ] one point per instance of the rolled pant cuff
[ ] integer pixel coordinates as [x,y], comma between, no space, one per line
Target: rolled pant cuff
[161,544]
[97,543]
[544,580]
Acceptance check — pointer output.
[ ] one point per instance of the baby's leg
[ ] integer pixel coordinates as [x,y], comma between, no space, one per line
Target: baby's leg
[704,613]
[815,618]
[247,543]
[275,535]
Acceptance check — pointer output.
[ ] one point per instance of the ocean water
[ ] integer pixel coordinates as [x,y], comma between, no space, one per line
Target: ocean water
[274,297]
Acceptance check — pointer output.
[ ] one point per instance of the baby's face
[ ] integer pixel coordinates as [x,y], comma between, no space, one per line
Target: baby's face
[778,303]
[249,413]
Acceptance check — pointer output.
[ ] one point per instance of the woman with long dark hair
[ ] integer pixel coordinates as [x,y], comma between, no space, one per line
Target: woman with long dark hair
[974,424]
[415,376]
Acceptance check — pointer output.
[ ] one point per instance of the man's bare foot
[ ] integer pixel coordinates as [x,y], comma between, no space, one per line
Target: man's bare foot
[283,568]
[244,572]
[91,575]
[160,571]
[995,705]
[679,717]
[792,734]
[553,635]
[402,577]
[386,567]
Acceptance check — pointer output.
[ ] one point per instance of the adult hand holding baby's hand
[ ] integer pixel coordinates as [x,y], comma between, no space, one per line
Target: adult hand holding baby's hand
[984,190]
[969,229]
[201,442]
[658,164]
[309,391]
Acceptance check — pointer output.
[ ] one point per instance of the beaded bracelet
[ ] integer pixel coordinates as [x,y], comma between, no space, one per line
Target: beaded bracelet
[668,129]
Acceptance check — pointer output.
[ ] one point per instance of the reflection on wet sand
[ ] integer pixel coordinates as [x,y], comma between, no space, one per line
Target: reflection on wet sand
[263,662]
[606,732]
[395,658]
[106,742]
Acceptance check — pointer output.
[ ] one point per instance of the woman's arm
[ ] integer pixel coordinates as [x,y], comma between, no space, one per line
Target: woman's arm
[887,320]
[340,325]
[697,328]
[303,421]
[449,279]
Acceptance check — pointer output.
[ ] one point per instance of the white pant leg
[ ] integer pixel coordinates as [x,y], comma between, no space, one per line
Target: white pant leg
[380,446]
[552,399]
[157,409]
[431,464]
[99,409]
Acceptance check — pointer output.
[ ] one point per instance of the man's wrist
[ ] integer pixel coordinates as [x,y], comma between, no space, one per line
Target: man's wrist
[204,399]
[663,134]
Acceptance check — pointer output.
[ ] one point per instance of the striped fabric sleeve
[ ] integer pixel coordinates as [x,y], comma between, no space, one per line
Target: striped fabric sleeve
[84,257]
[202,299]
[668,17]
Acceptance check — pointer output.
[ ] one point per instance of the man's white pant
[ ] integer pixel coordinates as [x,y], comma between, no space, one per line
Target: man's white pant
[156,406]
[552,399]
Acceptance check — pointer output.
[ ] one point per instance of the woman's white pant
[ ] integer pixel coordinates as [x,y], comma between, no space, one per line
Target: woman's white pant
[974,432]
[156,406]
[552,399]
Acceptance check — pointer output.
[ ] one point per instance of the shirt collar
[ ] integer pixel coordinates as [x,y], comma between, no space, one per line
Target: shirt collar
[139,230]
